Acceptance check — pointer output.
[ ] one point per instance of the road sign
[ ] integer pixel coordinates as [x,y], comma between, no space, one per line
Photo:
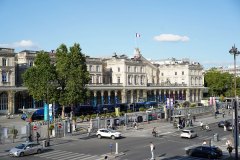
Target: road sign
[35,128]
[59,125]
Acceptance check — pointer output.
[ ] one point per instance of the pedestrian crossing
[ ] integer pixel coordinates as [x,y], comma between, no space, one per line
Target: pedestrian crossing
[65,155]
[185,157]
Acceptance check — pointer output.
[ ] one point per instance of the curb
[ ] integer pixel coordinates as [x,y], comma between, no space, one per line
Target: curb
[113,155]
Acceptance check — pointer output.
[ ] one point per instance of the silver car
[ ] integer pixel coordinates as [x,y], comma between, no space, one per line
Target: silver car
[26,149]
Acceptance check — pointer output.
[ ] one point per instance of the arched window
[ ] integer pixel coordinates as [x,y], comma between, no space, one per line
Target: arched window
[3,101]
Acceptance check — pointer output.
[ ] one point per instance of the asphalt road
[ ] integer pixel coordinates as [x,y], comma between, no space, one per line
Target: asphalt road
[134,147]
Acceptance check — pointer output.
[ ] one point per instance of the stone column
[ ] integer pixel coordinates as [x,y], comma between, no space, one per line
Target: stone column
[123,96]
[174,94]
[115,97]
[95,98]
[109,97]
[197,97]
[137,96]
[188,95]
[164,95]
[145,94]
[11,102]
[155,95]
[193,95]
[178,94]
[102,96]
[200,94]
[131,96]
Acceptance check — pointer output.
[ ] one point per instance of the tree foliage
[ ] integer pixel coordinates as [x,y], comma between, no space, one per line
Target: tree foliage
[220,84]
[63,82]
[37,78]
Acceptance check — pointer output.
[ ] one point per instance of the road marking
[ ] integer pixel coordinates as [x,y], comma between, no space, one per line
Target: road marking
[65,155]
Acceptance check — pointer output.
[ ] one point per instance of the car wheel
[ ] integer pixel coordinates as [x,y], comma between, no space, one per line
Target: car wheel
[113,137]
[39,151]
[209,156]
[21,154]
[99,136]
[190,153]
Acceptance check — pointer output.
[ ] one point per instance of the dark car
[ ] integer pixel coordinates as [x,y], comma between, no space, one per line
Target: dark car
[210,152]
[221,124]
[224,123]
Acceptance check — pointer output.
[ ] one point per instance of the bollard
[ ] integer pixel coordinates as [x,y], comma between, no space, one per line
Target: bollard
[116,148]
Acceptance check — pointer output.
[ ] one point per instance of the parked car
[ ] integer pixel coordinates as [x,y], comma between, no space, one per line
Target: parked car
[108,133]
[210,152]
[188,133]
[26,149]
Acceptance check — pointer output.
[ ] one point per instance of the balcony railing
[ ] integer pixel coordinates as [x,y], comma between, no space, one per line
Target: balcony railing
[104,84]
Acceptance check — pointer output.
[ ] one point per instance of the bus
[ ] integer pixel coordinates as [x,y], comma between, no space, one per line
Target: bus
[84,110]
[123,107]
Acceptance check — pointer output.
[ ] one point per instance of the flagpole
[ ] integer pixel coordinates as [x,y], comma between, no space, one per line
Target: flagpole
[136,40]
[136,37]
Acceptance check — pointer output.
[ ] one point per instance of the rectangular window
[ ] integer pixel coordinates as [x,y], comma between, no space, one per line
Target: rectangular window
[118,80]
[4,76]
[90,68]
[182,72]
[118,69]
[97,68]
[175,73]
[4,62]
[162,74]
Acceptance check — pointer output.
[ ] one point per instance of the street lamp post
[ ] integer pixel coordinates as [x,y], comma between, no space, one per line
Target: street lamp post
[235,52]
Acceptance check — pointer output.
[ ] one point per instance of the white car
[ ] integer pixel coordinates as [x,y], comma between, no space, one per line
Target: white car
[108,133]
[26,149]
[188,133]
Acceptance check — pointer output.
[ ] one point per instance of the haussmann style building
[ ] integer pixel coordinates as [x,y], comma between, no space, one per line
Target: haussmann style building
[117,79]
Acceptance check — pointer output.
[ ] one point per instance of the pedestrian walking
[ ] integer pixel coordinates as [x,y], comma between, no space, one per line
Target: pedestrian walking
[201,125]
[30,138]
[152,148]
[230,148]
[38,136]
[194,118]
[89,131]
[154,132]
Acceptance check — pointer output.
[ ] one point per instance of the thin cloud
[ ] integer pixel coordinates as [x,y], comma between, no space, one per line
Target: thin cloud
[171,38]
[21,44]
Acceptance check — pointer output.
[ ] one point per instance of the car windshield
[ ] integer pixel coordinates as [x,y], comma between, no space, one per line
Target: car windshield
[21,146]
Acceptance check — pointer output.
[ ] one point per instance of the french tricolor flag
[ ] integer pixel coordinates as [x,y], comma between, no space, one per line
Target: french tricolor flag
[137,35]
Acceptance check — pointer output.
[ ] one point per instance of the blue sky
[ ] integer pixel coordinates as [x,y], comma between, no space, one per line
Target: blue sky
[201,30]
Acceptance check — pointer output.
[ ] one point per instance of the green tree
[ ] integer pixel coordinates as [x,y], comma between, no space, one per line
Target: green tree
[218,83]
[64,82]
[72,75]
[40,78]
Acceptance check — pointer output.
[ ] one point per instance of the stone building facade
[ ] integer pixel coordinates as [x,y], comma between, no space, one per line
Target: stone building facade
[117,79]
